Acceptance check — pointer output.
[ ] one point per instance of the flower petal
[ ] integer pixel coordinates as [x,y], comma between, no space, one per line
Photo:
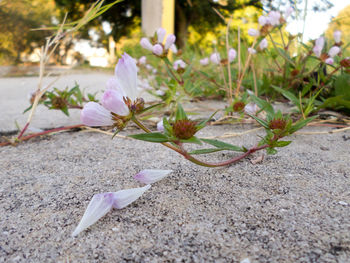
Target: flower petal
[93,114]
[161,32]
[170,40]
[126,74]
[150,176]
[145,43]
[113,101]
[123,198]
[99,206]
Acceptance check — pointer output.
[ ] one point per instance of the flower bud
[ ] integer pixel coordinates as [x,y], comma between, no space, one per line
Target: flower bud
[329,61]
[232,55]
[145,43]
[263,44]
[161,32]
[337,36]
[215,58]
[142,60]
[238,106]
[58,103]
[204,61]
[345,63]
[173,48]
[157,49]
[253,32]
[251,51]
[179,64]
[277,124]
[263,20]
[170,40]
[274,18]
[184,129]
[333,51]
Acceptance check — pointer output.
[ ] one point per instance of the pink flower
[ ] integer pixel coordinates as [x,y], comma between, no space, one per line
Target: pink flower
[215,58]
[173,48]
[263,20]
[170,40]
[161,32]
[263,44]
[274,18]
[329,61]
[232,55]
[179,64]
[142,60]
[253,32]
[333,51]
[150,176]
[251,51]
[122,85]
[101,204]
[319,43]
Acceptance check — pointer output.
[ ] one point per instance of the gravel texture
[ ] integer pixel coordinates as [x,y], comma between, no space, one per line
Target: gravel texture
[292,207]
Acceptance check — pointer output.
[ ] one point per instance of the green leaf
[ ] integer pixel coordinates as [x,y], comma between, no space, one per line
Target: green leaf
[263,104]
[180,113]
[223,145]
[64,109]
[288,95]
[193,139]
[150,137]
[282,143]
[300,124]
[342,85]
[205,151]
[151,107]
[27,109]
[202,124]
[271,151]
[167,127]
[260,121]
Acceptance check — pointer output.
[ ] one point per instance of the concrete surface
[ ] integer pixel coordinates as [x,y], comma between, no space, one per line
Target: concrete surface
[292,207]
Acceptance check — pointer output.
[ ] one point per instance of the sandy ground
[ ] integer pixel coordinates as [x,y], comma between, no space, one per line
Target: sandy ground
[293,207]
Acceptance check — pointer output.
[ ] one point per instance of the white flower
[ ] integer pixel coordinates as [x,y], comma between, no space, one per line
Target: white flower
[253,32]
[232,55]
[337,36]
[251,51]
[215,58]
[101,204]
[333,51]
[179,64]
[204,61]
[150,176]
[263,44]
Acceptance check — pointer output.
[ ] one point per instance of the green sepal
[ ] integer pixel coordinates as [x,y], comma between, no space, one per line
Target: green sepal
[150,137]
[260,121]
[202,124]
[180,113]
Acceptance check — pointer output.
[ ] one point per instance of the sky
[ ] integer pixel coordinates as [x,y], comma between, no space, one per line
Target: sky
[316,23]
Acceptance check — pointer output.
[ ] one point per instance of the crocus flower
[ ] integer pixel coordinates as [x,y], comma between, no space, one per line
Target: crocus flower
[161,32]
[263,44]
[274,18]
[337,36]
[263,20]
[333,51]
[253,32]
[204,61]
[101,204]
[179,64]
[329,61]
[157,49]
[251,51]
[122,85]
[146,44]
[232,54]
[150,176]
[215,58]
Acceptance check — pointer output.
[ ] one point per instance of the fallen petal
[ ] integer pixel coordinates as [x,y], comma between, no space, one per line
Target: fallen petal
[99,206]
[150,176]
[125,197]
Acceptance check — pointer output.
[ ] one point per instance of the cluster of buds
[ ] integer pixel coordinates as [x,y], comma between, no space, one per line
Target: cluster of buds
[215,58]
[332,52]
[157,47]
[273,18]
[179,66]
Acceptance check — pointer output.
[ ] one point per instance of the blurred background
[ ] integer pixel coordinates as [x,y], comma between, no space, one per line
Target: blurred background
[196,24]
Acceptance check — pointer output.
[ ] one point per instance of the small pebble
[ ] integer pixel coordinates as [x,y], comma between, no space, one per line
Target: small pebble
[246,260]
[342,203]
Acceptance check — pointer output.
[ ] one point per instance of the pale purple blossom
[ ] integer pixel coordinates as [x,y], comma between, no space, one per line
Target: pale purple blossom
[253,32]
[263,20]
[274,18]
[232,54]
[263,44]
[251,108]
[160,126]
[333,51]
[145,43]
[251,51]
[173,48]
[179,64]
[337,36]
[142,60]
[150,176]
[288,12]
[170,40]
[204,61]
[161,32]
[157,49]
[215,58]
[319,43]
[101,204]
[329,61]
[160,92]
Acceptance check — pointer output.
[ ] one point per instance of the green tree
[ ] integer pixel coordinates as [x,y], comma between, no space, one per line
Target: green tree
[17,18]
